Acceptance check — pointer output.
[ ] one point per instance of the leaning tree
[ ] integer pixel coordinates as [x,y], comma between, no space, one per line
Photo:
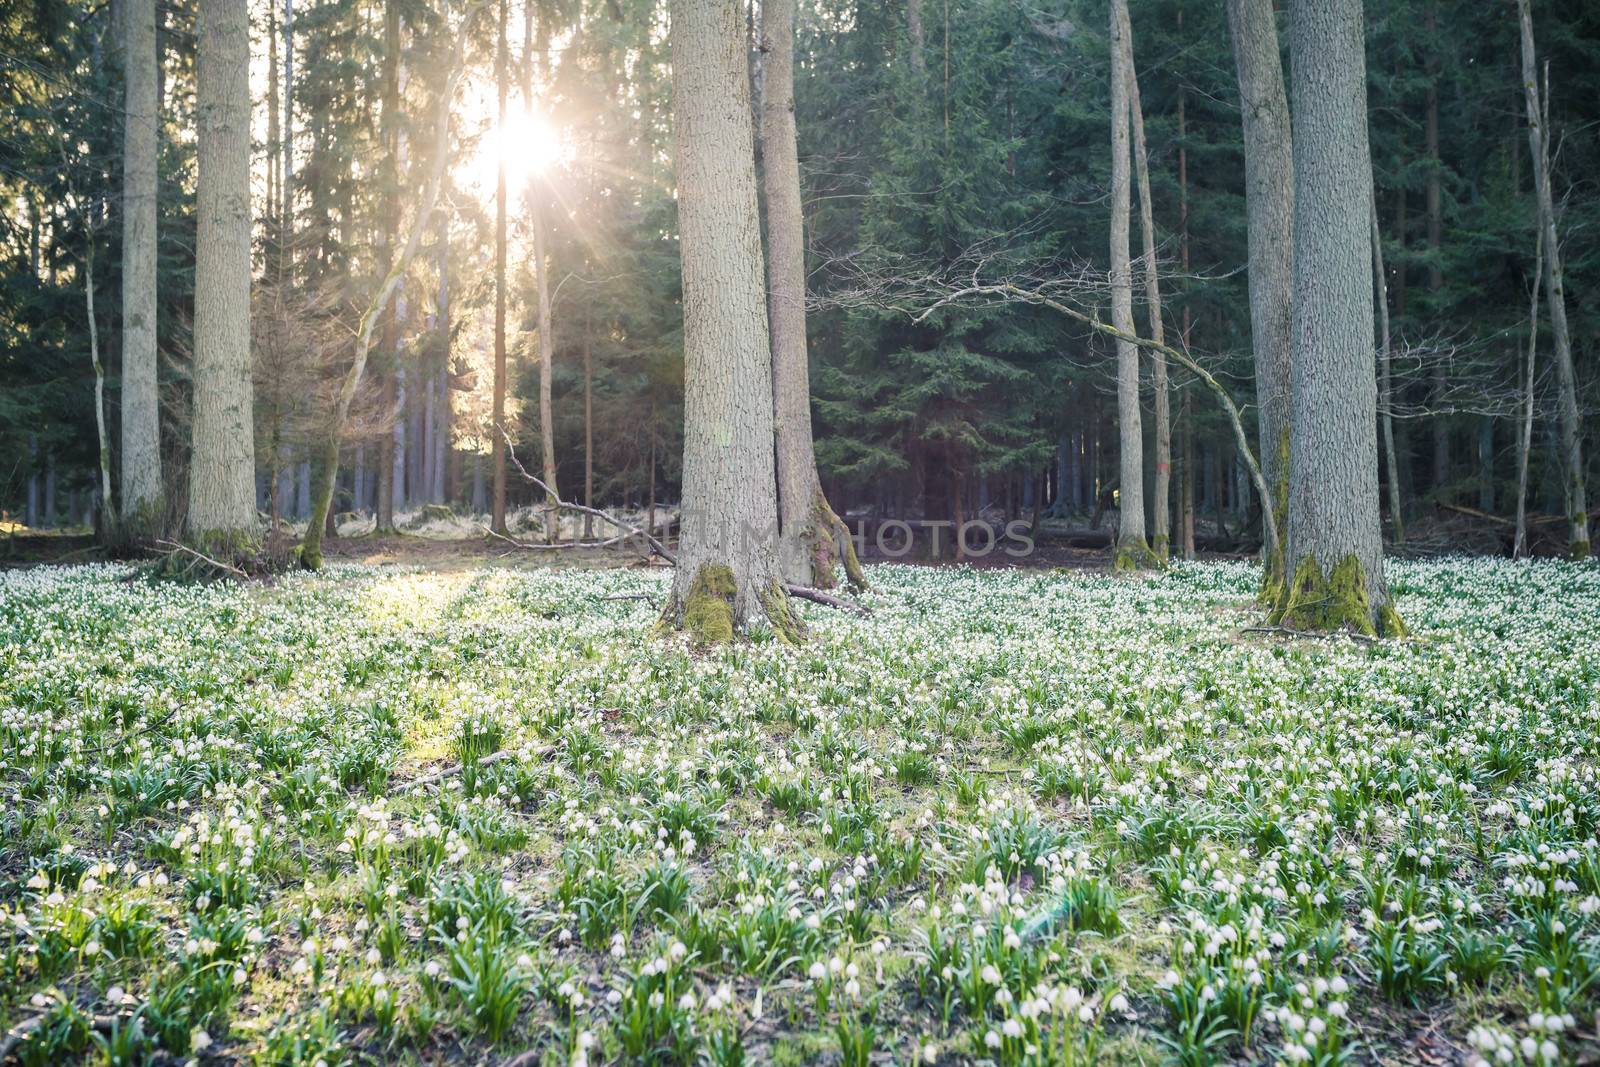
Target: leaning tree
[1335,542]
[728,573]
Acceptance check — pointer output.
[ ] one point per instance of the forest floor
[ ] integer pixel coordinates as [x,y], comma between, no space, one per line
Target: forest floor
[445,815]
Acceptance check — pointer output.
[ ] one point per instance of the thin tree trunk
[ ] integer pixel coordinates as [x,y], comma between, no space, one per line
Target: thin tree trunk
[286,171]
[106,510]
[1270,203]
[914,34]
[1571,428]
[1161,498]
[1386,379]
[541,275]
[588,429]
[1335,537]
[497,517]
[1132,549]
[727,570]
[1519,544]
[809,531]
[1433,204]
[141,419]
[547,419]
[222,497]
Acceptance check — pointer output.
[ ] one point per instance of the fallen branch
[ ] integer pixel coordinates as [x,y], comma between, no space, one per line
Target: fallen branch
[202,557]
[581,509]
[648,599]
[548,546]
[817,596]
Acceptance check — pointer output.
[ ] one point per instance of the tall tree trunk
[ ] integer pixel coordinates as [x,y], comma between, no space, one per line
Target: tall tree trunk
[222,469]
[1186,507]
[1434,207]
[1270,202]
[286,170]
[1386,378]
[141,421]
[1566,380]
[107,512]
[1160,504]
[914,34]
[728,570]
[541,276]
[497,517]
[1335,537]
[809,531]
[1519,544]
[1132,549]
[547,355]
[588,428]
[444,464]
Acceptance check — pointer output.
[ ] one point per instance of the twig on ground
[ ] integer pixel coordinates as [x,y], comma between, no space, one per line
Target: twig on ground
[203,558]
[647,598]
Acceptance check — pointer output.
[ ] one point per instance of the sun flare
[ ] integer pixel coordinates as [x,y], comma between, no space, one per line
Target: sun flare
[527,143]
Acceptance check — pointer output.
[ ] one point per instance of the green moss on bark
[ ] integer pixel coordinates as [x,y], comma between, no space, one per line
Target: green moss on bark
[1578,550]
[1135,555]
[1335,601]
[822,540]
[780,613]
[1274,569]
[1389,622]
[708,610]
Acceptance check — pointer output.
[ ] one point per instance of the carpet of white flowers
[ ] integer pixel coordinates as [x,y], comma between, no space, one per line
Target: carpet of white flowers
[1018,817]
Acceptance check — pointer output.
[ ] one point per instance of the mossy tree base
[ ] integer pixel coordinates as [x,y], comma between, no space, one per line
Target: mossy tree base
[1578,550]
[709,613]
[1135,555]
[1335,601]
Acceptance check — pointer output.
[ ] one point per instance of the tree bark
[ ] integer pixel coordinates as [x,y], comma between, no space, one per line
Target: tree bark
[541,276]
[1160,503]
[547,419]
[1519,543]
[1132,549]
[1434,209]
[1386,378]
[497,434]
[809,531]
[142,488]
[1571,428]
[1269,199]
[1335,540]
[107,511]
[727,572]
[222,495]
